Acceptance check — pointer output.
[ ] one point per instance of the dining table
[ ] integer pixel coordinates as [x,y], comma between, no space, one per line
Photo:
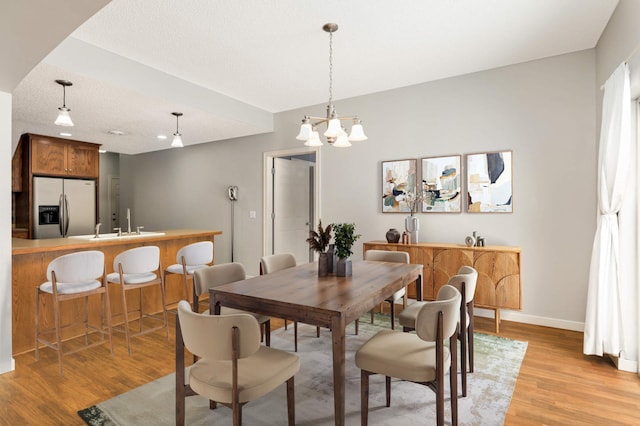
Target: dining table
[300,294]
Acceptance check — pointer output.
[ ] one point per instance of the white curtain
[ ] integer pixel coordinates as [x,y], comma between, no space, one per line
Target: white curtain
[604,328]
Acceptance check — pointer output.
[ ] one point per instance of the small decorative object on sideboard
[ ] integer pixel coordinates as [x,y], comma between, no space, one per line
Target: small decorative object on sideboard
[344,236]
[475,240]
[406,238]
[319,241]
[393,235]
[411,223]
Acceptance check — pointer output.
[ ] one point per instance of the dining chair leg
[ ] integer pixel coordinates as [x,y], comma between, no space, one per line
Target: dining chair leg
[453,380]
[267,332]
[470,335]
[291,402]
[357,325]
[295,335]
[393,315]
[364,397]
[371,312]
[318,332]
[387,385]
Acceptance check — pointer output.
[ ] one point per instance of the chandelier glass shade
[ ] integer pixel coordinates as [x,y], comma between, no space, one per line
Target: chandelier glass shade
[336,134]
[64,119]
[177,136]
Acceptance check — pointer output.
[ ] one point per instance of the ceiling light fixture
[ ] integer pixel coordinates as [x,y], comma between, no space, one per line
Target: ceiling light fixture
[335,133]
[64,119]
[177,137]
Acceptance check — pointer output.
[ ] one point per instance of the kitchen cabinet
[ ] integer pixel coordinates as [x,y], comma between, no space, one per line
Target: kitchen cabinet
[60,157]
[38,155]
[499,283]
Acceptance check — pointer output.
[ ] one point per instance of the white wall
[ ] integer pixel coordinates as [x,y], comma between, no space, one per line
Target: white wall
[6,358]
[542,110]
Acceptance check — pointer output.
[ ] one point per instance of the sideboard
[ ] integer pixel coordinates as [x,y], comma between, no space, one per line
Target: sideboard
[499,281]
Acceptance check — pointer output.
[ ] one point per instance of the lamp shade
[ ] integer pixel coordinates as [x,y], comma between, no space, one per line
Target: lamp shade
[342,141]
[314,140]
[357,133]
[177,141]
[305,132]
[64,119]
[334,128]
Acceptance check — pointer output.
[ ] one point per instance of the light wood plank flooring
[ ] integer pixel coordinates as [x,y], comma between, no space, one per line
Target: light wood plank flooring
[557,384]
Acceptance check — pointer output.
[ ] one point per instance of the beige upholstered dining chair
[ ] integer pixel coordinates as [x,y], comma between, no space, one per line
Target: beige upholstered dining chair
[234,368]
[69,277]
[390,256]
[277,262]
[189,259]
[465,281]
[225,273]
[421,358]
[137,269]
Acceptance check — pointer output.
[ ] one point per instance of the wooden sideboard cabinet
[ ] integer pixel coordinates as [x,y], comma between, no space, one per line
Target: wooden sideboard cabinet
[499,271]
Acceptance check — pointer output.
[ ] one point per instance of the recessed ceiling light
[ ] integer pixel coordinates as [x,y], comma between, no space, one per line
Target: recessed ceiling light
[116,132]
[102,151]
[67,134]
[162,137]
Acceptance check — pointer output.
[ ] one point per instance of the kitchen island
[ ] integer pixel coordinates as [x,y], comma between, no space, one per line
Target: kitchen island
[30,259]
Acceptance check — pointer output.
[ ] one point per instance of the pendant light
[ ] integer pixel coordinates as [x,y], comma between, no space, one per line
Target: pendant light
[64,119]
[177,137]
[335,133]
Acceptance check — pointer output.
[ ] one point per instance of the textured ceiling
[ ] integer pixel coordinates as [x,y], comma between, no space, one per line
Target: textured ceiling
[228,65]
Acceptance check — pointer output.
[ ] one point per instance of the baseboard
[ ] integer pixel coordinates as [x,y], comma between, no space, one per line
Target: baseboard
[532,319]
[623,364]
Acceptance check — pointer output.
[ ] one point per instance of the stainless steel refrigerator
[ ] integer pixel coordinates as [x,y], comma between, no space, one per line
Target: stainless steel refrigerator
[63,207]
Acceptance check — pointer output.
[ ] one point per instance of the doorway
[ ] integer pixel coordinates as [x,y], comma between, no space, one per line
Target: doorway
[291,201]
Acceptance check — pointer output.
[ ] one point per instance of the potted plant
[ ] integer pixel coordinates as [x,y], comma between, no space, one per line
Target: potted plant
[318,241]
[344,236]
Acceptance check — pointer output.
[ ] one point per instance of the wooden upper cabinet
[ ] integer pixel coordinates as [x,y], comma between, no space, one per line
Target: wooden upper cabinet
[60,157]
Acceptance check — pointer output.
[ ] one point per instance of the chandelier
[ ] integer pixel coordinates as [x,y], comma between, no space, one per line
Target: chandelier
[336,134]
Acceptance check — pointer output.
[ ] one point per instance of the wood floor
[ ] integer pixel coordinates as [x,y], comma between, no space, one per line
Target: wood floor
[557,385]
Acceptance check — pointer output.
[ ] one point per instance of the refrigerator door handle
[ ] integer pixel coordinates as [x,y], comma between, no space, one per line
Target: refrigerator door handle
[66,216]
[61,210]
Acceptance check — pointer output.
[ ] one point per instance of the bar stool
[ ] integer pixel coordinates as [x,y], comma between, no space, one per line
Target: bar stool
[139,268]
[73,276]
[188,259]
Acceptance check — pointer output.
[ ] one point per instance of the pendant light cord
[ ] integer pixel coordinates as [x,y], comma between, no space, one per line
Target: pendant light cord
[330,67]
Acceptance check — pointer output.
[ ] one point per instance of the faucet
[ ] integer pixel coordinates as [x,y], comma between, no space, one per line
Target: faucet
[97,230]
[128,221]
[138,229]
[119,231]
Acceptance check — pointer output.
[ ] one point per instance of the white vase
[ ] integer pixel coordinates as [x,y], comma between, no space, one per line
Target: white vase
[412,225]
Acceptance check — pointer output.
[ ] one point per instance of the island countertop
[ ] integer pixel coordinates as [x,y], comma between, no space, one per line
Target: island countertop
[24,246]
[30,259]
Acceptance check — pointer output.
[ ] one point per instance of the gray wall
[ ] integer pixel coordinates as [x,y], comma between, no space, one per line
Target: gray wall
[542,110]
[109,167]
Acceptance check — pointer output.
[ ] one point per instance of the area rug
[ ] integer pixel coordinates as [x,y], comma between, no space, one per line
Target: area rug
[497,362]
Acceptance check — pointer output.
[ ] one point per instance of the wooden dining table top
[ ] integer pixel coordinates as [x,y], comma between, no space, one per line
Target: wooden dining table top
[300,294]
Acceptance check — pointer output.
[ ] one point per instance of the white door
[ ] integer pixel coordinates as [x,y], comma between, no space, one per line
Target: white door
[292,181]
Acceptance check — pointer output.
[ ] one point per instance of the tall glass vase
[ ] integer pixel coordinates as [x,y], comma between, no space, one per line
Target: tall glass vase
[412,225]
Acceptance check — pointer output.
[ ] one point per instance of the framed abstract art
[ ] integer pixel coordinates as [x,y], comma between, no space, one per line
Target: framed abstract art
[399,178]
[490,182]
[441,180]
